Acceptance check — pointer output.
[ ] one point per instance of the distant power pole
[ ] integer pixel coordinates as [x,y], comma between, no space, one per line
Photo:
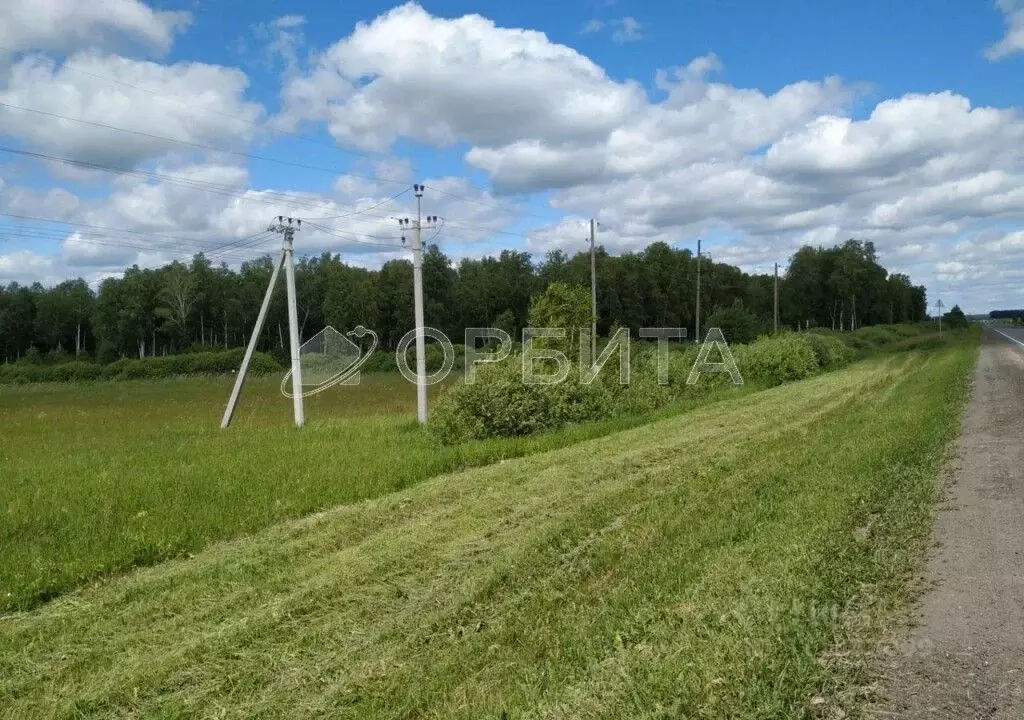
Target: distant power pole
[286,226]
[593,295]
[417,286]
[939,306]
[698,291]
[775,315]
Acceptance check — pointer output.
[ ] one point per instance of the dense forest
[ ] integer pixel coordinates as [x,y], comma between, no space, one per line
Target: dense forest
[182,306]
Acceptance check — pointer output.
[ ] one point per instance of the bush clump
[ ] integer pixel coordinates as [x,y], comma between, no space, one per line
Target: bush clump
[830,352]
[499,404]
[772,361]
[151,368]
[208,363]
[877,335]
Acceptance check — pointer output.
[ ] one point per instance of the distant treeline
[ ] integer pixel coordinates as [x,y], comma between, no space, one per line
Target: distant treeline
[1005,314]
[198,305]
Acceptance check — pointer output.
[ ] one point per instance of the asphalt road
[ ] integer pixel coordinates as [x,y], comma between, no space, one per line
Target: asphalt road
[1010,332]
[965,658]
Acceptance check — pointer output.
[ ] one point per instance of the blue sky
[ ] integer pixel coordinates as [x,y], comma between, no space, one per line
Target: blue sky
[758,126]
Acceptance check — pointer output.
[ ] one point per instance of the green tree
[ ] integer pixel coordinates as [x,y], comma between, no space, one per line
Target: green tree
[955,318]
[737,323]
[562,306]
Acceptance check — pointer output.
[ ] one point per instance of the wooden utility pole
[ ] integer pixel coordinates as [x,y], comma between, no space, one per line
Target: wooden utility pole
[593,295]
[775,315]
[698,291]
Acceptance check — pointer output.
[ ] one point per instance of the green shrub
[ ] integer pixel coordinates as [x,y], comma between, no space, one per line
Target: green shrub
[644,393]
[855,342]
[385,360]
[500,404]
[830,352]
[32,356]
[77,371]
[776,360]
[74,371]
[209,363]
[876,334]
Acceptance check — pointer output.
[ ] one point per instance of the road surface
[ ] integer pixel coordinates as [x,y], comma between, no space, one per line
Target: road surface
[965,659]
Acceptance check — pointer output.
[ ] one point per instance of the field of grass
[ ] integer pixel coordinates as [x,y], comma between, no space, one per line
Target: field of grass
[99,477]
[700,566]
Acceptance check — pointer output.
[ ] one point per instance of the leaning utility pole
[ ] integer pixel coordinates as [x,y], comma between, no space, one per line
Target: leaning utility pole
[417,281]
[593,296]
[775,315]
[286,227]
[698,291]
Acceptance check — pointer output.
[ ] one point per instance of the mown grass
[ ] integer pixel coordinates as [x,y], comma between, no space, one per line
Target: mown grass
[697,567]
[100,477]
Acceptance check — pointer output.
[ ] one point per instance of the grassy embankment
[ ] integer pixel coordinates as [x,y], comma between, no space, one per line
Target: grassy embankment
[699,566]
[100,477]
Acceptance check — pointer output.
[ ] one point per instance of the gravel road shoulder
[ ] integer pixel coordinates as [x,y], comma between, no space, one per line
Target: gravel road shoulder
[964,659]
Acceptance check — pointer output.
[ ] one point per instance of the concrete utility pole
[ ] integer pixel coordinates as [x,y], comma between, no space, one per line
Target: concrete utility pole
[288,231]
[417,280]
[698,291]
[593,296]
[939,306]
[775,314]
[286,227]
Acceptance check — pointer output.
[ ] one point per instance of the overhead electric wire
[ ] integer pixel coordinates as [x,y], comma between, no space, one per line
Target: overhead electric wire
[202,146]
[247,195]
[485,203]
[183,102]
[366,210]
[334,146]
[230,191]
[353,237]
[21,232]
[105,235]
[184,181]
[96,240]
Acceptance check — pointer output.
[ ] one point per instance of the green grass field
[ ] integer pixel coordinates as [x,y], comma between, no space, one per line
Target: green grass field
[104,476]
[705,565]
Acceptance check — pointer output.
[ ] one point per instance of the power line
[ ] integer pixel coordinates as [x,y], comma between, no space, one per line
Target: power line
[334,171]
[485,203]
[334,146]
[181,101]
[89,239]
[252,195]
[202,146]
[345,235]
[232,247]
[366,210]
[20,232]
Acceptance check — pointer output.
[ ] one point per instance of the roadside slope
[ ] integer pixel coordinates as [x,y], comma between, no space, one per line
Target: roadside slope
[965,660]
[695,566]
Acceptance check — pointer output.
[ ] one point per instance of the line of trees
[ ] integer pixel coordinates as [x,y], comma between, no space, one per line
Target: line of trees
[182,306]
